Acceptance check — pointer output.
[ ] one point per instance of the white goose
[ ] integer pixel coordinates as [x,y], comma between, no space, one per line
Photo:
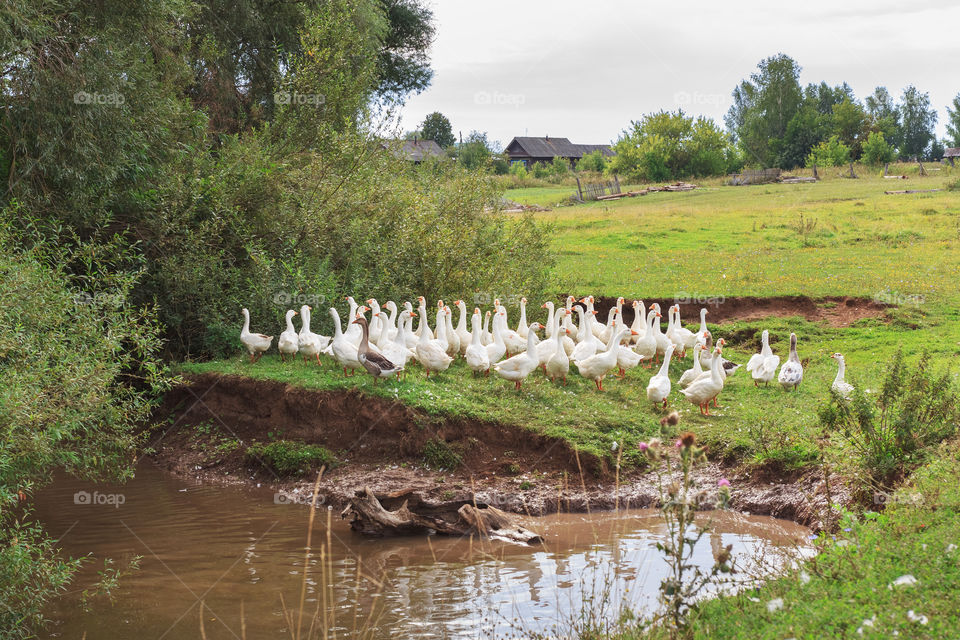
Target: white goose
[515,344]
[627,358]
[646,346]
[432,354]
[256,343]
[391,323]
[375,326]
[453,340]
[352,331]
[310,343]
[521,365]
[658,389]
[763,366]
[662,340]
[476,354]
[791,373]
[395,349]
[704,389]
[841,386]
[522,324]
[590,344]
[702,339]
[485,336]
[597,366]
[289,342]
[693,373]
[564,325]
[496,349]
[462,333]
[682,337]
[559,363]
[423,329]
[343,351]
[545,348]
[639,321]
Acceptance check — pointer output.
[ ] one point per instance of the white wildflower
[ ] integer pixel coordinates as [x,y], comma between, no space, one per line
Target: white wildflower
[917,617]
[775,605]
[951,548]
[804,577]
[906,580]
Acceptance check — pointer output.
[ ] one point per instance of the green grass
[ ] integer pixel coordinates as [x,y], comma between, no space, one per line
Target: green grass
[848,582]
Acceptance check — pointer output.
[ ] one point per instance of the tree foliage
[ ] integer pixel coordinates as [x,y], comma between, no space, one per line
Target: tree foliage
[666,145]
[953,122]
[437,127]
[917,120]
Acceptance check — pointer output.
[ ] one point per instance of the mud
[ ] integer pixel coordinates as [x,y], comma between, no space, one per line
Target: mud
[835,311]
[379,444]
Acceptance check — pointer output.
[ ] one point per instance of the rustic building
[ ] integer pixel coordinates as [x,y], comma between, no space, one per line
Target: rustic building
[415,150]
[530,150]
[950,154]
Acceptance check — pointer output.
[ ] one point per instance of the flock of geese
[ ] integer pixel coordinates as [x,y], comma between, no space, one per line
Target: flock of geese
[386,344]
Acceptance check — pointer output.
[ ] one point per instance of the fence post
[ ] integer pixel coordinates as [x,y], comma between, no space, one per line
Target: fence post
[579,190]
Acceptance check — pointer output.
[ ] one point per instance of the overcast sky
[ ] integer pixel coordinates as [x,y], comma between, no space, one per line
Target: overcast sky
[583,70]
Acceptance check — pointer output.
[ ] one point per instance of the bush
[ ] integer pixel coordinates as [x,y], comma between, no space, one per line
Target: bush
[877,150]
[915,408]
[286,457]
[78,371]
[594,161]
[831,153]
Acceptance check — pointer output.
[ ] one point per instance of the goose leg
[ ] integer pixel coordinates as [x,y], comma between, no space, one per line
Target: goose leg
[319,364]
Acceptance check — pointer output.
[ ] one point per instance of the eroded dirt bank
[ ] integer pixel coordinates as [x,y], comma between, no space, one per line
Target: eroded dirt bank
[204,426]
[836,311]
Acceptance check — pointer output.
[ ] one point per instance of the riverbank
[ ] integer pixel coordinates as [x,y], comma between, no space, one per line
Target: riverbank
[205,427]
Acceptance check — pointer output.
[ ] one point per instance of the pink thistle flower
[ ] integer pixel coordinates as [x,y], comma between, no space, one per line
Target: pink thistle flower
[723,482]
[643,446]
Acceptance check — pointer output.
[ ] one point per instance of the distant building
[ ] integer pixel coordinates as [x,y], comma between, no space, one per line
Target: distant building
[950,153]
[415,150]
[532,150]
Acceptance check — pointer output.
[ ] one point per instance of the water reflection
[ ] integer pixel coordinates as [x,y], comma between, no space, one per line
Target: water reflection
[227,546]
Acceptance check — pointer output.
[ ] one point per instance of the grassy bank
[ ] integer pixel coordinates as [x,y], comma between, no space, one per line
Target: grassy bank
[712,244]
[849,589]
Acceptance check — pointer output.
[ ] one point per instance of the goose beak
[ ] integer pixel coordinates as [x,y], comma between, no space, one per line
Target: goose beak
[634,333]
[594,312]
[413,314]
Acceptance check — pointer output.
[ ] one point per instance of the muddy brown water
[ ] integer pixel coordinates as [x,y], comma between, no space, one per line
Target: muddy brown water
[236,546]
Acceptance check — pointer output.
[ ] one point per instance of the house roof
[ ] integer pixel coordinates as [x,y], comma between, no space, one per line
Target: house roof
[415,150]
[547,147]
[951,152]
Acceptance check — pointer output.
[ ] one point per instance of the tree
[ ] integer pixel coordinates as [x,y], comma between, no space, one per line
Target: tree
[917,122]
[876,150]
[437,127]
[953,122]
[849,120]
[883,115]
[475,152]
[666,145]
[806,129]
[763,107]
[593,161]
[404,67]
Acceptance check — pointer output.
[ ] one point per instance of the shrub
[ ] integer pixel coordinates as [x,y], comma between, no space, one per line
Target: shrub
[914,409]
[831,153]
[77,370]
[594,161]
[287,457]
[877,150]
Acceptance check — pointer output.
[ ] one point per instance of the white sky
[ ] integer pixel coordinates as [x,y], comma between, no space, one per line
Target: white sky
[583,70]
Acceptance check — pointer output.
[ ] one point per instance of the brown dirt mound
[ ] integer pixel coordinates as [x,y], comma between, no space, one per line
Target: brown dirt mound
[354,426]
[836,311]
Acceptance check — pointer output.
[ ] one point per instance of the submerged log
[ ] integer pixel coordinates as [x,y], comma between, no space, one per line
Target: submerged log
[414,516]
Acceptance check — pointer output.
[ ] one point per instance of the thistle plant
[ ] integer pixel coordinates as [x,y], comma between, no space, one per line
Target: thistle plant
[679,499]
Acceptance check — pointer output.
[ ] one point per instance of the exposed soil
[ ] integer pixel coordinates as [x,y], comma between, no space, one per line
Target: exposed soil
[836,311]
[379,444]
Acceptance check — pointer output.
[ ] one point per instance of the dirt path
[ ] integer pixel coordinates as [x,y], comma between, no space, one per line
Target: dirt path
[380,443]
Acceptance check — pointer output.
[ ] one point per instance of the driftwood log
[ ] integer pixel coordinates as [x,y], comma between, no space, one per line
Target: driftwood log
[415,516]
